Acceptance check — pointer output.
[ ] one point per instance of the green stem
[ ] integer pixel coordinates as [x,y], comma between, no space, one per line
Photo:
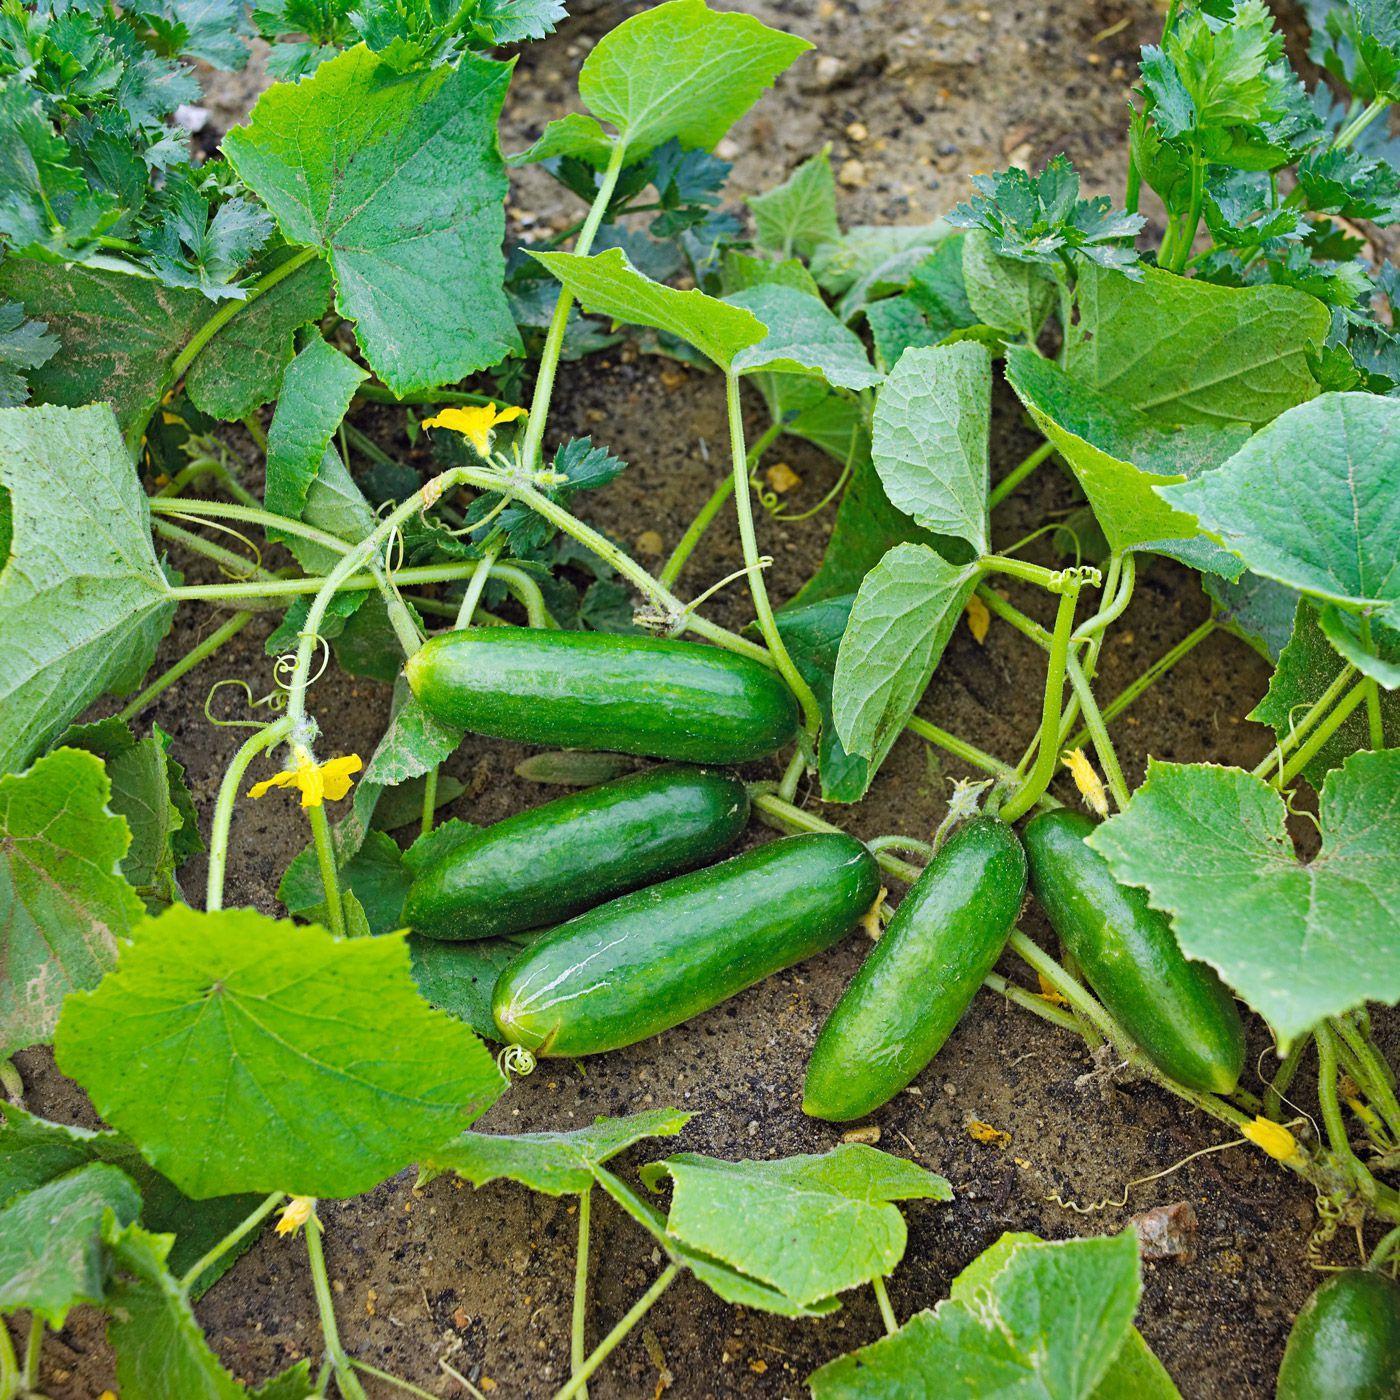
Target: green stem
[430,787]
[33,1353]
[325,860]
[11,1085]
[9,1364]
[1058,581]
[685,546]
[559,322]
[245,1226]
[397,1382]
[959,748]
[1028,1001]
[430,398]
[345,1378]
[1315,712]
[527,594]
[1181,248]
[1331,1109]
[238,565]
[1133,192]
[1098,731]
[273,587]
[578,1329]
[253,515]
[197,471]
[192,658]
[1038,779]
[792,775]
[1018,474]
[1357,125]
[767,625]
[776,812]
[254,429]
[604,1349]
[882,1297]
[475,584]
[1370,1074]
[1282,1081]
[1375,725]
[1387,1245]
[223,807]
[910,845]
[1324,731]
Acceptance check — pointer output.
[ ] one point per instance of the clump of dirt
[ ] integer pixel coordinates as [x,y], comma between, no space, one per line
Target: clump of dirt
[914,96]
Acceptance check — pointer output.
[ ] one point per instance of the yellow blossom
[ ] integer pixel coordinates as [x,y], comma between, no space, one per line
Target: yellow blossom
[295,1214]
[979,619]
[1087,780]
[1049,992]
[476,424]
[1273,1137]
[317,781]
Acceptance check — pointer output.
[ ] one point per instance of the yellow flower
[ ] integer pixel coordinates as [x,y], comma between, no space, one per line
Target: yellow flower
[1273,1137]
[1087,780]
[474,424]
[295,1214]
[317,781]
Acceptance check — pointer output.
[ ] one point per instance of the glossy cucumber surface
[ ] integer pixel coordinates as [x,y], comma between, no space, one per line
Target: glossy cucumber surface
[1345,1344]
[920,976]
[639,695]
[554,861]
[1177,1011]
[652,959]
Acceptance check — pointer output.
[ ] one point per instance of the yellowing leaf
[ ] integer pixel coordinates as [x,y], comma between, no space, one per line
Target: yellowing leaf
[979,619]
[979,1131]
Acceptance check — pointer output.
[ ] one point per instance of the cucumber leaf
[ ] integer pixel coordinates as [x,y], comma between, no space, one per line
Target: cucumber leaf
[413,743]
[930,439]
[51,1252]
[1255,609]
[459,978]
[398,180]
[262,1090]
[375,875]
[1313,500]
[799,214]
[1186,351]
[555,1163]
[83,601]
[1005,293]
[803,336]
[1210,845]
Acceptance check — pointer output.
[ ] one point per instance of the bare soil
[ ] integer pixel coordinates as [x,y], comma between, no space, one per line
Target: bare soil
[914,95]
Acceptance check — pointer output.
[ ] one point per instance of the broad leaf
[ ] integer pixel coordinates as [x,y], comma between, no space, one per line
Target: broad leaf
[1005,293]
[872,260]
[1255,609]
[555,1163]
[1313,500]
[51,1252]
[836,1206]
[458,978]
[63,899]
[904,614]
[1187,351]
[803,335]
[607,284]
[375,875]
[262,1089]
[930,439]
[799,214]
[397,178]
[413,743]
[83,602]
[1297,941]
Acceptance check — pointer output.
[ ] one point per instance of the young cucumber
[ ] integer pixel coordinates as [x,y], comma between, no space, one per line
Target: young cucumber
[1177,1011]
[640,695]
[655,958]
[551,862]
[919,978]
[1345,1344]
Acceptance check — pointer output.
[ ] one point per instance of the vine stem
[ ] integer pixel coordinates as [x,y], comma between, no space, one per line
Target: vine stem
[559,322]
[223,807]
[1283,1078]
[1374,722]
[192,658]
[633,1316]
[1321,734]
[1357,125]
[1387,1245]
[33,1353]
[1314,712]
[882,1297]
[1018,474]
[578,1329]
[1029,1001]
[1331,1110]
[475,584]
[1103,745]
[252,515]
[743,504]
[1372,1077]
[249,1223]
[959,748]
[9,1363]
[345,1376]
[325,861]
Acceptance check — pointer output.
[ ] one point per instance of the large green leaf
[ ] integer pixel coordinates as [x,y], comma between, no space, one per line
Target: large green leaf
[1005,293]
[398,179]
[1297,941]
[63,899]
[263,1088]
[799,214]
[803,336]
[51,1253]
[555,1163]
[458,978]
[905,612]
[1255,609]
[83,602]
[607,284]
[679,71]
[930,439]
[1185,351]
[1313,500]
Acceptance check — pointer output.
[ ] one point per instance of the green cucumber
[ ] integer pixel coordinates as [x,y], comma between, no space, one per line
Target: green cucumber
[1177,1011]
[1345,1344]
[541,866]
[652,959]
[920,976]
[595,690]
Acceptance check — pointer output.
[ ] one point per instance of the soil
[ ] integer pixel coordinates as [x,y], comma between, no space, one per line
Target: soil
[914,96]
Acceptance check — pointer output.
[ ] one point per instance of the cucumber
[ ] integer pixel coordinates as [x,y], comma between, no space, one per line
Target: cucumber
[554,861]
[920,976]
[1345,1344]
[652,959]
[594,690]
[1177,1011]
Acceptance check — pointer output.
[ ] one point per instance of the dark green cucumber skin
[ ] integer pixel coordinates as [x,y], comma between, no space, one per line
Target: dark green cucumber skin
[595,690]
[920,976]
[1345,1344]
[1177,1011]
[552,862]
[654,958]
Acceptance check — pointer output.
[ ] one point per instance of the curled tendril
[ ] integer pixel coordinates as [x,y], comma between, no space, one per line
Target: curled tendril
[1081,576]
[238,535]
[1111,1203]
[789,516]
[284,667]
[276,700]
[515,1059]
[1290,797]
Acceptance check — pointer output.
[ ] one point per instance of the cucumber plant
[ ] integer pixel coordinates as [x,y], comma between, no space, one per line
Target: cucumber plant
[1224,396]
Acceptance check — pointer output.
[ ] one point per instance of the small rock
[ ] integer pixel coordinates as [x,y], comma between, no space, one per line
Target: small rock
[829,70]
[781,477]
[728,149]
[868,1135]
[191,119]
[852,175]
[1167,1232]
[649,542]
[672,378]
[857,131]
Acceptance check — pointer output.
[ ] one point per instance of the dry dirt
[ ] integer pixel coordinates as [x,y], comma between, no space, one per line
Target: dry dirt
[920,93]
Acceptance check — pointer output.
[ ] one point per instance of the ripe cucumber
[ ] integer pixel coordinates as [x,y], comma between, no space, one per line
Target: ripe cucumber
[1177,1011]
[595,690]
[549,863]
[1345,1344]
[652,959]
[920,976]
